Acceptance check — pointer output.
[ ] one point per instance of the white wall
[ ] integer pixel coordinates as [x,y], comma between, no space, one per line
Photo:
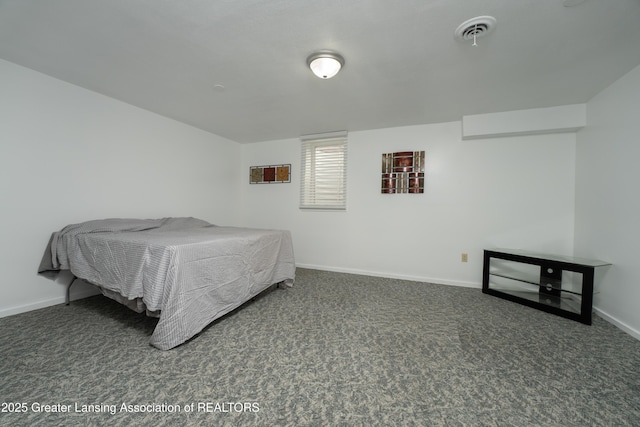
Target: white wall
[68,155]
[502,192]
[607,202]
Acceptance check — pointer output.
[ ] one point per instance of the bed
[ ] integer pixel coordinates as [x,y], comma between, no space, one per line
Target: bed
[185,271]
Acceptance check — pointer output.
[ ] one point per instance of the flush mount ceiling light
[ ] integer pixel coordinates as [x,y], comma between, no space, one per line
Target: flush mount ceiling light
[474,28]
[325,64]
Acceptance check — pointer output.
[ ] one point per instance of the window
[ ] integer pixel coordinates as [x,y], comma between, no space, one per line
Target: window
[323,184]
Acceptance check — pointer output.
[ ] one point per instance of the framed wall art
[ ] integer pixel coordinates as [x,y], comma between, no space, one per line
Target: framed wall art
[270,174]
[403,172]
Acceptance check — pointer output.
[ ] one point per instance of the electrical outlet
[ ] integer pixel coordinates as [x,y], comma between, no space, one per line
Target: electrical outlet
[464,257]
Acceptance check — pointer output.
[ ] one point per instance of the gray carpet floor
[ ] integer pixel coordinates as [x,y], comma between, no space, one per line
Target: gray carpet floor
[336,349]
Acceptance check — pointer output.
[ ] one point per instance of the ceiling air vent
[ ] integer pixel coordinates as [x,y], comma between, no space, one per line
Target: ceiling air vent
[474,28]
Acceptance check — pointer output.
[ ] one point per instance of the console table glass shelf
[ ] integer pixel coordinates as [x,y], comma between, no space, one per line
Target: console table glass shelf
[556,284]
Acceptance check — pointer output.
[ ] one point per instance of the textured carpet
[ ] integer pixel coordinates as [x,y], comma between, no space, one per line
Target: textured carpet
[336,349]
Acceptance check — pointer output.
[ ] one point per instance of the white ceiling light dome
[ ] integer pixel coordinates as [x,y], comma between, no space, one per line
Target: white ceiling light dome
[325,64]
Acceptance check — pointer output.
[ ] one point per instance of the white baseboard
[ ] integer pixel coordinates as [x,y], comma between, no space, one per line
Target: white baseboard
[87,291]
[82,293]
[439,281]
[626,328]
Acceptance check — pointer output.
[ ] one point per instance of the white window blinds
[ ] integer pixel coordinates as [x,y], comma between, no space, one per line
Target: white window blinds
[323,184]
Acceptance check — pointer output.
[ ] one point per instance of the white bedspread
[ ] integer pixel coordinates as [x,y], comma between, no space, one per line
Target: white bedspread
[189,270]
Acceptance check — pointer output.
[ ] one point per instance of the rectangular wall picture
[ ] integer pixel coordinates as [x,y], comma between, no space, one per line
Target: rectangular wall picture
[270,174]
[403,172]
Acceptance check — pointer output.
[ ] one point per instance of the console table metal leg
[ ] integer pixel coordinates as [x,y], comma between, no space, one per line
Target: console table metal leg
[486,267]
[587,295]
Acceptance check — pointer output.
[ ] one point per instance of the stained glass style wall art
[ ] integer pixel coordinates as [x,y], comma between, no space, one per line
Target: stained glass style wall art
[270,174]
[403,172]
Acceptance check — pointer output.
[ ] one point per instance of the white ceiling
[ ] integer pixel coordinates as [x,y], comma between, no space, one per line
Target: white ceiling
[403,63]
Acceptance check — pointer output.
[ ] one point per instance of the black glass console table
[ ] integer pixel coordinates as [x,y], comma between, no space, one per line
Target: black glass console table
[556,284]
